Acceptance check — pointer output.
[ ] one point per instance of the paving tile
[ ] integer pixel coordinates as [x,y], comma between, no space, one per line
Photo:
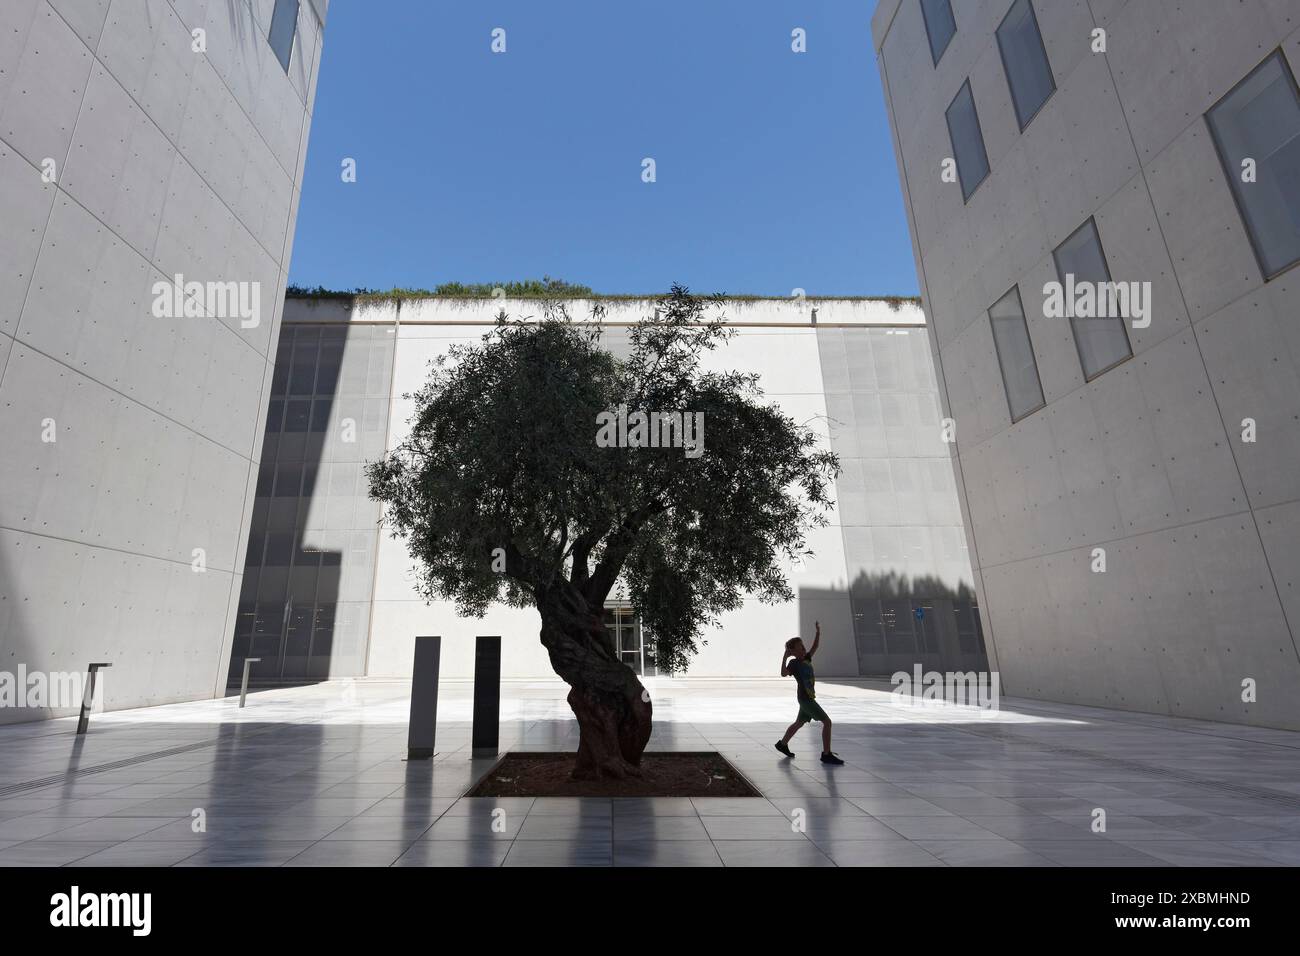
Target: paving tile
[1094,852]
[555,827]
[48,853]
[455,853]
[735,806]
[326,783]
[141,854]
[245,854]
[908,806]
[653,806]
[351,853]
[381,829]
[766,828]
[877,853]
[983,853]
[560,853]
[475,827]
[1203,853]
[666,853]
[668,828]
[936,828]
[770,853]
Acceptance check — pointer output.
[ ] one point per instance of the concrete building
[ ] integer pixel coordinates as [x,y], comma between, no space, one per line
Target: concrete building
[326,593]
[140,141]
[1097,141]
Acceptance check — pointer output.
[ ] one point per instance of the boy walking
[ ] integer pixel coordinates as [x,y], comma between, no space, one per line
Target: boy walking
[797,661]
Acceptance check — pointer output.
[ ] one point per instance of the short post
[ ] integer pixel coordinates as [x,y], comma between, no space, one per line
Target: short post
[88,698]
[424,699]
[487,697]
[243,686]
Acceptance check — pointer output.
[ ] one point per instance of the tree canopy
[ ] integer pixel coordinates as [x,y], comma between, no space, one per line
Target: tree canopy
[503,491]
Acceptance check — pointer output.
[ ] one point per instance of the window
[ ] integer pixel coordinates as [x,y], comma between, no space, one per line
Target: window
[1025,61]
[634,646]
[1102,343]
[1016,355]
[284,25]
[967,141]
[940,27]
[1259,120]
[970,634]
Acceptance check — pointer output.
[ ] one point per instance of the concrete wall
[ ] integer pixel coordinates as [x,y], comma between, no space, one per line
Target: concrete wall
[860,364]
[166,161]
[1202,588]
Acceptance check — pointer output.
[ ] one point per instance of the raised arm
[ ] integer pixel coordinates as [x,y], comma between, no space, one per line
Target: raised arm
[817,638]
[784,661]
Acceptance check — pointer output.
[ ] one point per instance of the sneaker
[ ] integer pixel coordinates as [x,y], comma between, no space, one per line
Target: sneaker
[782,746]
[831,758]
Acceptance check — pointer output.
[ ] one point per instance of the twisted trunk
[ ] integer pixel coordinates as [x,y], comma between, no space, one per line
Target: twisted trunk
[612,707]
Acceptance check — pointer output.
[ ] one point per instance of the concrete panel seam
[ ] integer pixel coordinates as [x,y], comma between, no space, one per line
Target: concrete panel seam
[1259,537]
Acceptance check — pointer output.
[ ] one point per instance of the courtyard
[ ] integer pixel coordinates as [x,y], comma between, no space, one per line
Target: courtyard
[317,776]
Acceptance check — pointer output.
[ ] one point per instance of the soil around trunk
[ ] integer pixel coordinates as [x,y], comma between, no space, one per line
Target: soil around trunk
[523,774]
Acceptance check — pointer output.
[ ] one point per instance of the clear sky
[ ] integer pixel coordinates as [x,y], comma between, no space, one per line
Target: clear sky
[774,169]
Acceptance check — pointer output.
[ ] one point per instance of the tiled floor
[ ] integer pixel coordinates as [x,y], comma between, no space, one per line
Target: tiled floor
[315,776]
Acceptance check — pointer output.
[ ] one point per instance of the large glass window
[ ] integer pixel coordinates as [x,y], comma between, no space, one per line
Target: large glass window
[310,560]
[1025,61]
[1016,355]
[284,26]
[940,27]
[970,635]
[1102,343]
[967,141]
[1256,128]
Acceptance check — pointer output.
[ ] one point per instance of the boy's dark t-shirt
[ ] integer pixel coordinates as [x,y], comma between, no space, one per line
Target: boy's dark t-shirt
[803,675]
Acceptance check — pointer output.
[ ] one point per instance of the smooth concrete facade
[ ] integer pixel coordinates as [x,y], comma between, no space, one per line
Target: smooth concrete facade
[857,371]
[1201,530]
[132,441]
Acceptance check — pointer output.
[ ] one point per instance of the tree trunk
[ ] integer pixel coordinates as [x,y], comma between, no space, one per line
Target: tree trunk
[612,707]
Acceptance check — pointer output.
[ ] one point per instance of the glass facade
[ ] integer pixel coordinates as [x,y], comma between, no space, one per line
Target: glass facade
[891,632]
[1258,124]
[304,606]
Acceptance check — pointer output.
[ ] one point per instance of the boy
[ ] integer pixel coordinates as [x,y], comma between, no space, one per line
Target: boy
[802,670]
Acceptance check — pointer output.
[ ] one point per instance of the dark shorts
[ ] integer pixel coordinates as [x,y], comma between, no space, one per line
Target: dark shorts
[811,710]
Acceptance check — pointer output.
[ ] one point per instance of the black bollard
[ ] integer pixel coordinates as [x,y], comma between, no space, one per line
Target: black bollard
[487,697]
[424,699]
[88,698]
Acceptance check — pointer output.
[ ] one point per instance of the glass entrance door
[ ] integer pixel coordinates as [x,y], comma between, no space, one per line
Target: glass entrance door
[630,640]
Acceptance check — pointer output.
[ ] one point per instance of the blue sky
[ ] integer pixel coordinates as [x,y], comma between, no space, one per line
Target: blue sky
[774,170]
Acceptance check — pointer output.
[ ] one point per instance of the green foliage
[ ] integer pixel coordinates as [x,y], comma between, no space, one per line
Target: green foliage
[503,455]
[544,288]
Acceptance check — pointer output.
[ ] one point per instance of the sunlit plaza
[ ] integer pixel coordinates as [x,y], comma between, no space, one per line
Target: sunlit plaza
[317,775]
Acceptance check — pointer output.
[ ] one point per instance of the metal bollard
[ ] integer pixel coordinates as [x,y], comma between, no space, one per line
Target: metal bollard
[88,698]
[243,687]
[487,697]
[424,699]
